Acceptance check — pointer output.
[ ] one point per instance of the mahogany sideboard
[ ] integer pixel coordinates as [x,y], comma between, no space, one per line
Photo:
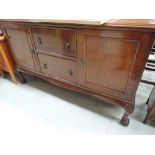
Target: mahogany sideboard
[105,61]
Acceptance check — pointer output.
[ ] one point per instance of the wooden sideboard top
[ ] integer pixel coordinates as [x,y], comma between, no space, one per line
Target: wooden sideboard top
[64,21]
[135,23]
[142,23]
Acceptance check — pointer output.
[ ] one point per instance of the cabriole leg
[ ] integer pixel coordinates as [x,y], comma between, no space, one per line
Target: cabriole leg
[20,77]
[125,120]
[128,110]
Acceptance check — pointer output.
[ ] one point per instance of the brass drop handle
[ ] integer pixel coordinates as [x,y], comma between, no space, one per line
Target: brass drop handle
[67,45]
[81,61]
[33,51]
[39,40]
[70,72]
[45,66]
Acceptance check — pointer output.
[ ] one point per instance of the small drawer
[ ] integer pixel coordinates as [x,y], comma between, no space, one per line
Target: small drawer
[58,67]
[57,40]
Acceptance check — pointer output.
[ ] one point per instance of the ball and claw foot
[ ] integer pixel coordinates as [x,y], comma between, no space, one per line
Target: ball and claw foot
[20,77]
[125,120]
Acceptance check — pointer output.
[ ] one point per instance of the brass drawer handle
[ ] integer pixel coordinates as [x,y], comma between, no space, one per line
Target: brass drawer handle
[33,51]
[39,40]
[67,46]
[45,66]
[70,72]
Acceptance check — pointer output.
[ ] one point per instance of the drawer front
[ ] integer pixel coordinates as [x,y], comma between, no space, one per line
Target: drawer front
[58,68]
[56,40]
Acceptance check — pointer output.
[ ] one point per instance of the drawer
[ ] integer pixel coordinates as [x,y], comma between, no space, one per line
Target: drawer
[57,40]
[58,68]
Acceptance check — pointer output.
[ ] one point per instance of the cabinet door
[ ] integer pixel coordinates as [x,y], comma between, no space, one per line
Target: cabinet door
[20,44]
[111,62]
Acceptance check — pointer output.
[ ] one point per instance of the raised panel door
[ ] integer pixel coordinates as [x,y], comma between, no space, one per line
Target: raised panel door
[21,47]
[109,61]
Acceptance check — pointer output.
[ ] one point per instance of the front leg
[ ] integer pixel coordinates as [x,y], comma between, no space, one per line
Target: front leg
[20,77]
[125,120]
[128,110]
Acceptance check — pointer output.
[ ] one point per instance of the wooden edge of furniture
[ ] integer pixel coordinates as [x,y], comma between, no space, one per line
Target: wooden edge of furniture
[112,24]
[7,59]
[2,65]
